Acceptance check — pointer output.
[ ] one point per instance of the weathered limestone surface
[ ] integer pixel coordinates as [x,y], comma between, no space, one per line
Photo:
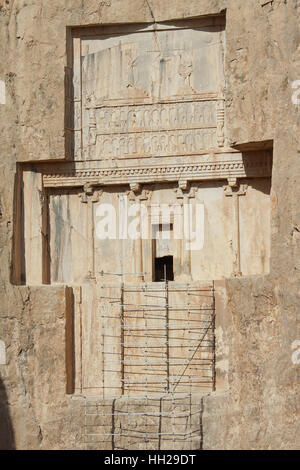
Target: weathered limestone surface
[33,383]
[260,409]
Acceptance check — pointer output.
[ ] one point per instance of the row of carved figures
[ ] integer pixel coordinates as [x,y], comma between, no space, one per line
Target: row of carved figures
[153,143]
[158,116]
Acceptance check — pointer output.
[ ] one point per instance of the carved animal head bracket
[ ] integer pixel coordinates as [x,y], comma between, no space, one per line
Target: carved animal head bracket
[183,184]
[89,193]
[138,193]
[135,187]
[234,188]
[184,189]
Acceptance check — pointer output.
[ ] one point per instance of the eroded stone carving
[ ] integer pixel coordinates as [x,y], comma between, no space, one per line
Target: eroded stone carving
[89,193]
[234,189]
[150,94]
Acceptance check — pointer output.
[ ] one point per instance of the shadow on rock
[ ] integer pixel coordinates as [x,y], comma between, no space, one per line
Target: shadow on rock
[7,438]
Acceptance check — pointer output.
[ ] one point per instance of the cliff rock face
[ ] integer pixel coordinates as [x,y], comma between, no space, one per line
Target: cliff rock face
[257,407]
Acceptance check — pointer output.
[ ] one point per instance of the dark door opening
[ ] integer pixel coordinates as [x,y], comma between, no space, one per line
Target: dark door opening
[164,269]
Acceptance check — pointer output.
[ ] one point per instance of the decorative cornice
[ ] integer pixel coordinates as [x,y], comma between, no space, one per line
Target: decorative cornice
[209,167]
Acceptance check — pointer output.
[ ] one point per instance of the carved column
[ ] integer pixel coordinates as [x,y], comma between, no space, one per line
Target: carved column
[89,196]
[146,240]
[234,189]
[139,196]
[185,193]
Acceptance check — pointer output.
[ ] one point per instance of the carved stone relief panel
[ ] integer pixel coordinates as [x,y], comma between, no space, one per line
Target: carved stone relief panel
[149,92]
